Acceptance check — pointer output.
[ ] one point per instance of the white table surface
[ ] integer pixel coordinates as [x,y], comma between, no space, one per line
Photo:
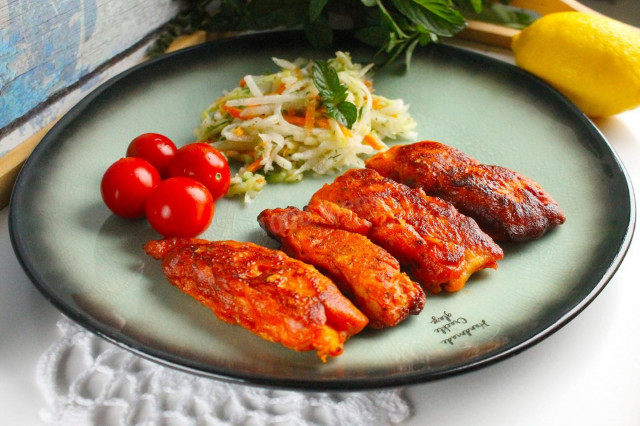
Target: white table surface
[587,373]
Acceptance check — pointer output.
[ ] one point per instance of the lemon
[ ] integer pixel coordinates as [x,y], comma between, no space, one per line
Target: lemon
[593,60]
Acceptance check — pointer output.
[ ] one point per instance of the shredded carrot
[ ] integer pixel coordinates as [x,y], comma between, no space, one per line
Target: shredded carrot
[238,112]
[375,103]
[310,114]
[369,85]
[233,111]
[234,153]
[238,131]
[373,142]
[345,131]
[281,88]
[294,119]
[242,83]
[255,165]
[300,121]
[323,123]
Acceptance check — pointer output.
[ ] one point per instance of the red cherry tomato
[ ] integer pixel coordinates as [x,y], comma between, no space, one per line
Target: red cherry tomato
[126,185]
[157,149]
[180,207]
[205,164]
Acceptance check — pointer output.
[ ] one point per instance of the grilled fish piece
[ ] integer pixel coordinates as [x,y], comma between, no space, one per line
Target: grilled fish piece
[363,271]
[265,291]
[439,246]
[506,204]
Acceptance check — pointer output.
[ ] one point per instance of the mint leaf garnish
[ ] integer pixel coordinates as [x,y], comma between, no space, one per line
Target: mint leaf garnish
[333,94]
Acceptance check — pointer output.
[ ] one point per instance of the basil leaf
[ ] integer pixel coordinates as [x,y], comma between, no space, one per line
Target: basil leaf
[376,36]
[268,14]
[315,8]
[318,32]
[477,5]
[437,16]
[509,16]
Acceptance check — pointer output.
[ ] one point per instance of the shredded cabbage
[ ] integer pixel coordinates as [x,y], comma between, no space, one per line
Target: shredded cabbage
[277,128]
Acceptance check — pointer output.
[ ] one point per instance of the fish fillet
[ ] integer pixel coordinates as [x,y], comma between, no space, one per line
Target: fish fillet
[265,291]
[506,204]
[440,247]
[363,271]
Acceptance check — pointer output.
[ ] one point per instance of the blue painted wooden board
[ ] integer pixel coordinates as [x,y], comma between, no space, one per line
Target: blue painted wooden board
[48,45]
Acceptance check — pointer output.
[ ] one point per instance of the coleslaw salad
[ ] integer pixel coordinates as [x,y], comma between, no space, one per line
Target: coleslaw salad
[278,128]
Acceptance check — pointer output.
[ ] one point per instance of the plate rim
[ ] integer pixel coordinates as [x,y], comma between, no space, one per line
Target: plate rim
[340,384]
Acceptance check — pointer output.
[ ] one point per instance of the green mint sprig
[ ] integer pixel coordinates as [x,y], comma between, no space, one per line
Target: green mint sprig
[333,94]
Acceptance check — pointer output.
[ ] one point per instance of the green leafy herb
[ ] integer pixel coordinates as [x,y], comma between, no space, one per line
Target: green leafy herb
[395,27]
[501,14]
[315,8]
[333,94]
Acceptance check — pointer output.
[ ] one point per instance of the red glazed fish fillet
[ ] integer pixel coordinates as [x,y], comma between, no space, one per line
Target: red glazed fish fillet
[265,291]
[364,272]
[506,205]
[440,247]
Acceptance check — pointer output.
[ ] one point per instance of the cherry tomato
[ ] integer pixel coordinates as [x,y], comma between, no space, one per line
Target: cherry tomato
[205,164]
[126,184]
[180,207]
[157,149]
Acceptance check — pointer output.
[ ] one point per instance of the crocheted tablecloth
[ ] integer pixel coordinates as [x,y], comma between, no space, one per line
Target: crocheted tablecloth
[89,381]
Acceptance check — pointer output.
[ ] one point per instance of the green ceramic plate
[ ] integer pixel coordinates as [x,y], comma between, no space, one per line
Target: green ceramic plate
[90,264]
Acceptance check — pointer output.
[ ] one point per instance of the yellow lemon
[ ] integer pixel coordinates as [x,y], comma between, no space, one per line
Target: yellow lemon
[593,60]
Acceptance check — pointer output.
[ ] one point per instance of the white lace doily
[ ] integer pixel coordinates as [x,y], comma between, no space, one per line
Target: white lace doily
[89,381]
